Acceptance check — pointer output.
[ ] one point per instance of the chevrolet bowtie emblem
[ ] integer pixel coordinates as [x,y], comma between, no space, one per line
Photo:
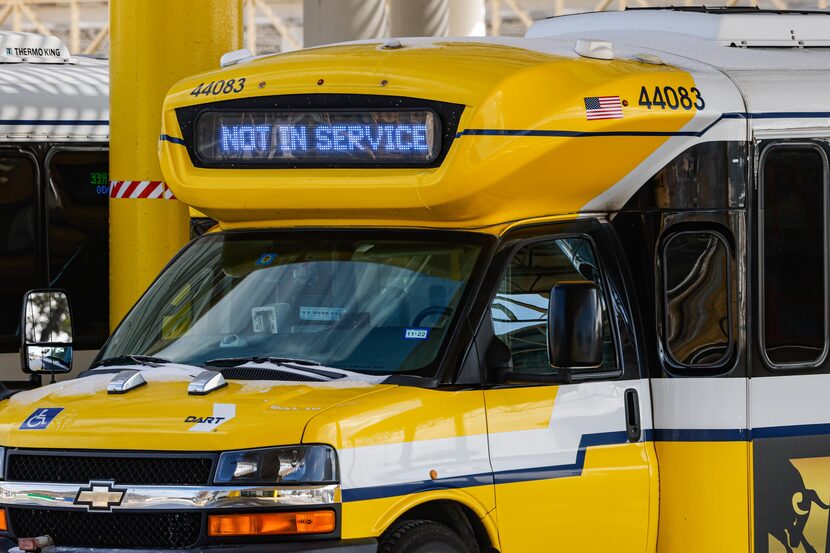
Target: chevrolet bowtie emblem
[99,496]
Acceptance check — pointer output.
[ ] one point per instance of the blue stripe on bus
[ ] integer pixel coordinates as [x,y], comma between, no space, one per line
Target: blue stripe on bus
[502,477]
[699,435]
[695,134]
[588,134]
[59,122]
[562,471]
[575,468]
[172,139]
[791,431]
[393,490]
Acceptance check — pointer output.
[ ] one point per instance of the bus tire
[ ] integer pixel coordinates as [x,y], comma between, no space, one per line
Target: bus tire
[421,536]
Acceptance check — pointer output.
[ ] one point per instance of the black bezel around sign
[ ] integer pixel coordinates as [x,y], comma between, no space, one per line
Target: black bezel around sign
[448,114]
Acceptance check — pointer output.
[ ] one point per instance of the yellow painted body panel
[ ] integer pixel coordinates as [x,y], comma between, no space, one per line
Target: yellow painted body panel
[153,417]
[604,509]
[529,408]
[704,497]
[150,51]
[372,517]
[485,180]
[605,504]
[404,414]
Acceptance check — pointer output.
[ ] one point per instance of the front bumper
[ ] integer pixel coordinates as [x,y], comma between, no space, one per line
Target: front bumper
[332,546]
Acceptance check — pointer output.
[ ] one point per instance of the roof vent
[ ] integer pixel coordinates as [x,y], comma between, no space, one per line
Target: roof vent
[652,59]
[205,383]
[234,57]
[594,49]
[125,381]
[32,48]
[392,44]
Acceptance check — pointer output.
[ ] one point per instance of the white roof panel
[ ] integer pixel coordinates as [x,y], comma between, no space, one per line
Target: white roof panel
[736,28]
[762,40]
[54,102]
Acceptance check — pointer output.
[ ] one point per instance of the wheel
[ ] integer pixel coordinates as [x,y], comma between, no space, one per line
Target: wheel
[421,536]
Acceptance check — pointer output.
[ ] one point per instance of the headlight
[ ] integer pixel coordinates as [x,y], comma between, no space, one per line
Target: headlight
[306,464]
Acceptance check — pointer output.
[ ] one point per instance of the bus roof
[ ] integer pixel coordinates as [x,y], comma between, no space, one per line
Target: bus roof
[725,38]
[536,137]
[47,95]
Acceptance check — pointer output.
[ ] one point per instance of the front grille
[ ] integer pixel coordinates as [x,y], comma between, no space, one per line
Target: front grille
[172,530]
[84,468]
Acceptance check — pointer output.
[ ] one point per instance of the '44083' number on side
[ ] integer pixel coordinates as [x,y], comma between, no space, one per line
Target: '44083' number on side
[672,98]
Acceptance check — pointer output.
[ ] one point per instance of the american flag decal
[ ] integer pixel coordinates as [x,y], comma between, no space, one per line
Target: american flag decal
[603,107]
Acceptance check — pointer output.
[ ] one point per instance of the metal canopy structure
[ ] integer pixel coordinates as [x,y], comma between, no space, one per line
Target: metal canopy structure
[278,25]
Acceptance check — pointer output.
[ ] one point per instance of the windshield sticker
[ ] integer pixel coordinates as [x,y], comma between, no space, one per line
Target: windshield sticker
[264,319]
[41,418]
[321,313]
[416,333]
[222,413]
[266,259]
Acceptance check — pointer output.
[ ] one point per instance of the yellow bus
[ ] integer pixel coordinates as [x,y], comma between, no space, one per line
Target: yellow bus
[563,292]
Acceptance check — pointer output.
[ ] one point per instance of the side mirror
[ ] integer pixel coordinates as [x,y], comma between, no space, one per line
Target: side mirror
[575,326]
[46,332]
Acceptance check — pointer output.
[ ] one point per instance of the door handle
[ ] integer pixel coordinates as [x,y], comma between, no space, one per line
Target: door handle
[632,415]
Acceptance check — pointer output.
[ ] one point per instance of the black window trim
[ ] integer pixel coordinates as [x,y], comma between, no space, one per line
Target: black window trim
[826,249]
[725,361]
[24,152]
[46,181]
[546,234]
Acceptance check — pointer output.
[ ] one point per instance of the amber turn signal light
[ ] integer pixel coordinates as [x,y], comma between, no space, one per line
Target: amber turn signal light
[271,524]
[4,526]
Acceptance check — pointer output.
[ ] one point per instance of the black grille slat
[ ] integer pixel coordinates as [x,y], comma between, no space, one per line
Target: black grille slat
[160,530]
[82,469]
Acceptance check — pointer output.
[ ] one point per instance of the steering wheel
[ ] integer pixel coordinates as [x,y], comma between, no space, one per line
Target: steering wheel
[431,310]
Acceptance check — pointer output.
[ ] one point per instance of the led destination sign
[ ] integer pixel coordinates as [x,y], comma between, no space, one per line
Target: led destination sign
[319,138]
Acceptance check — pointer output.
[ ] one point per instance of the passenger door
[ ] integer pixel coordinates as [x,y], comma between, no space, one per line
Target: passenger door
[789,413]
[571,467]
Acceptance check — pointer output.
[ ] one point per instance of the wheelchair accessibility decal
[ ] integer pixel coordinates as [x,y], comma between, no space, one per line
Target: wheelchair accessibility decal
[41,418]
[791,507]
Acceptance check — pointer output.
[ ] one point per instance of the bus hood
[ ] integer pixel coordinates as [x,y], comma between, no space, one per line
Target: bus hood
[80,414]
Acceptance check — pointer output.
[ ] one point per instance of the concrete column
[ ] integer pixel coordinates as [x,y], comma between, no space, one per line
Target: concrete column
[330,21]
[419,17]
[154,43]
[468,18]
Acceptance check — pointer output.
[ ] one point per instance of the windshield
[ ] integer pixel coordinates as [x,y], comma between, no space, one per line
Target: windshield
[353,301]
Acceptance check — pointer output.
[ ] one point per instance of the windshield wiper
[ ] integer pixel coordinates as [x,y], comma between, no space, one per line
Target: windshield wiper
[307,365]
[131,360]
[236,361]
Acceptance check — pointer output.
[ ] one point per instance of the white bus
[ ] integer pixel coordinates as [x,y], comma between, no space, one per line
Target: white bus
[54,177]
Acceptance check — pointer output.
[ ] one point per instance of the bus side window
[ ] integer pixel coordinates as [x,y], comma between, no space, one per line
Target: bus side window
[697,299]
[78,238]
[793,248]
[18,175]
[520,308]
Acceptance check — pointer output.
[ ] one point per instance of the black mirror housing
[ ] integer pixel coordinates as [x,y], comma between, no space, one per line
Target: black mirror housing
[575,326]
[46,332]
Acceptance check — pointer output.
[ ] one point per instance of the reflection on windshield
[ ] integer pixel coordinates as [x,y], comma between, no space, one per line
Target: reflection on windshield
[366,305]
